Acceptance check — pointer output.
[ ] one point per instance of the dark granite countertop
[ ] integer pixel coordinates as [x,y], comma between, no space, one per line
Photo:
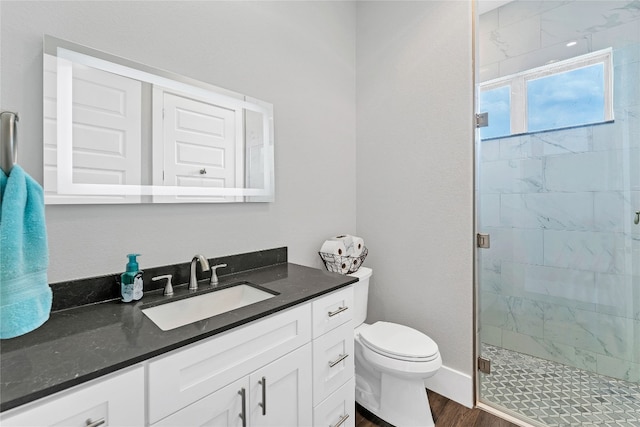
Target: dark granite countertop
[79,344]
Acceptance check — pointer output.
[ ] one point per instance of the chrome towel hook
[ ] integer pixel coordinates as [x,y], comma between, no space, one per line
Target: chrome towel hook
[8,140]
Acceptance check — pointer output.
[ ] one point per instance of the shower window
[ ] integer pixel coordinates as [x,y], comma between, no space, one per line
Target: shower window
[496,102]
[564,94]
[566,99]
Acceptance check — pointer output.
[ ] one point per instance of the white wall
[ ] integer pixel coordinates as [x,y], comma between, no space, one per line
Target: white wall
[415,173]
[299,56]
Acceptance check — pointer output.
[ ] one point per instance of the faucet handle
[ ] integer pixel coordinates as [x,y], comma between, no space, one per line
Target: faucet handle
[214,276]
[168,289]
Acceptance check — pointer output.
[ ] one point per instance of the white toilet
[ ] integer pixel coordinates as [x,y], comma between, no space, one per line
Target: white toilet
[392,362]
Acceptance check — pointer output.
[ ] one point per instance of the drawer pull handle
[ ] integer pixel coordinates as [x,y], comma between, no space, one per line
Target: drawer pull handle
[263,404]
[338,360]
[243,415]
[338,311]
[342,420]
[90,423]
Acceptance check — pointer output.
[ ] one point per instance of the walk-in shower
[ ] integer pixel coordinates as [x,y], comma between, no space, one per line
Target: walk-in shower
[558,192]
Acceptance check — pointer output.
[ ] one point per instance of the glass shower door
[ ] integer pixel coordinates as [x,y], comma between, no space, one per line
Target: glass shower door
[558,191]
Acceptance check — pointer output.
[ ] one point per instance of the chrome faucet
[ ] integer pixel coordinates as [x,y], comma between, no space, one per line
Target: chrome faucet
[214,277]
[204,265]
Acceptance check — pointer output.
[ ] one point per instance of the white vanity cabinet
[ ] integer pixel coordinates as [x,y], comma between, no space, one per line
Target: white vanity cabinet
[276,395]
[113,400]
[185,376]
[291,368]
[333,360]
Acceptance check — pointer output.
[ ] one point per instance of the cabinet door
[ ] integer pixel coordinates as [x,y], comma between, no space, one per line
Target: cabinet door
[225,407]
[117,400]
[281,391]
[182,377]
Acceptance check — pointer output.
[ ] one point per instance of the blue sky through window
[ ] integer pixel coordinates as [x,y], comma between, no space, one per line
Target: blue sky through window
[571,98]
[496,102]
[574,92]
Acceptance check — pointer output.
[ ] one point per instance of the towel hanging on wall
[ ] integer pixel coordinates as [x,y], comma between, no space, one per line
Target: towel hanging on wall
[25,295]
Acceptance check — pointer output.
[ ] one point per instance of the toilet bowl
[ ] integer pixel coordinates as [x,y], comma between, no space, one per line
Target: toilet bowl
[392,362]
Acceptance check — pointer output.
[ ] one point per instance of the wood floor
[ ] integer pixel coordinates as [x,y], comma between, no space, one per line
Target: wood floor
[446,413]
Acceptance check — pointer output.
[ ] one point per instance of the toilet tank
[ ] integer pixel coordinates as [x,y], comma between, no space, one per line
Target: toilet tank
[361,295]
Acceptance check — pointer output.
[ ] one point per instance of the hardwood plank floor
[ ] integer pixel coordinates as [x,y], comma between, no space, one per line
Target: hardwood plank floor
[446,413]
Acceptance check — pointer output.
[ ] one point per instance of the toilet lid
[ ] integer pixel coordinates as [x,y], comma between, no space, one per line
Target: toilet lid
[399,342]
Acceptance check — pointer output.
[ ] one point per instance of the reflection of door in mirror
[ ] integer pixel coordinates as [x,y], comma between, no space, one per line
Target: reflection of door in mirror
[201,145]
[254,130]
[117,131]
[106,143]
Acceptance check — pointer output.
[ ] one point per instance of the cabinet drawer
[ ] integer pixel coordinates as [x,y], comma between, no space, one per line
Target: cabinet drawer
[332,310]
[339,406]
[193,372]
[333,361]
[117,399]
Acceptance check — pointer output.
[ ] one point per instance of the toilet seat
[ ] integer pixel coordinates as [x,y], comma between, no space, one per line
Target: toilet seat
[399,342]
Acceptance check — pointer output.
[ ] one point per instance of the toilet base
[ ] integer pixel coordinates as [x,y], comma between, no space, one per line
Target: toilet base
[403,402]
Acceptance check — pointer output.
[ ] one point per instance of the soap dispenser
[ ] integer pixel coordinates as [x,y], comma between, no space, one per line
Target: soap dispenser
[131,280]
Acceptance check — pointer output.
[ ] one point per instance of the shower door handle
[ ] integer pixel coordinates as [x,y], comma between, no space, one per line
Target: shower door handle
[637,218]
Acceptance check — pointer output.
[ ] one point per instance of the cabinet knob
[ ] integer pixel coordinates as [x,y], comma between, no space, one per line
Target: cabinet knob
[263,404]
[338,360]
[338,311]
[243,415]
[341,421]
[90,423]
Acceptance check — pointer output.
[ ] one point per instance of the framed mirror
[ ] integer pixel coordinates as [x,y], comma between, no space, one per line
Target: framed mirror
[117,131]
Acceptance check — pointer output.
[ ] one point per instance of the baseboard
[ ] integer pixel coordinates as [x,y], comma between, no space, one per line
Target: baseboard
[452,384]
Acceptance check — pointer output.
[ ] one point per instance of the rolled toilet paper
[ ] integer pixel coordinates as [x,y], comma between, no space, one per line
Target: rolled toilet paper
[347,240]
[358,245]
[334,247]
[354,265]
[344,266]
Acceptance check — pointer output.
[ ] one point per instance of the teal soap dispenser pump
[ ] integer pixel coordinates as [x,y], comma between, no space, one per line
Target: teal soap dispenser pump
[131,280]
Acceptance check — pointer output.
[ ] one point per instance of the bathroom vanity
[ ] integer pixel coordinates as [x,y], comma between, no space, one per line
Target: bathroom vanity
[285,361]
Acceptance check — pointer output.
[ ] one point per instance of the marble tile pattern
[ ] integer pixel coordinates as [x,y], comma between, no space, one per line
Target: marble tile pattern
[561,280]
[555,395]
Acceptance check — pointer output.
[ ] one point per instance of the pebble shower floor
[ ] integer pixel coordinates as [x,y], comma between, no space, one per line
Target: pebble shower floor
[557,395]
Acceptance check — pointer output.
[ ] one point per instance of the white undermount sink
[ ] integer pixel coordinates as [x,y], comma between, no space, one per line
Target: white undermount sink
[172,315]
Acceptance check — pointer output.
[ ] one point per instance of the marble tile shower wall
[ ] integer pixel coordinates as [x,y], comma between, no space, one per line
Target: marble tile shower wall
[562,278]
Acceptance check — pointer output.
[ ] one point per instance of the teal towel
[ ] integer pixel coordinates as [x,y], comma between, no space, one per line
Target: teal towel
[25,295]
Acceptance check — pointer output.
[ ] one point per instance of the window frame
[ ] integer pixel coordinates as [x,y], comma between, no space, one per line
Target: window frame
[518,87]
